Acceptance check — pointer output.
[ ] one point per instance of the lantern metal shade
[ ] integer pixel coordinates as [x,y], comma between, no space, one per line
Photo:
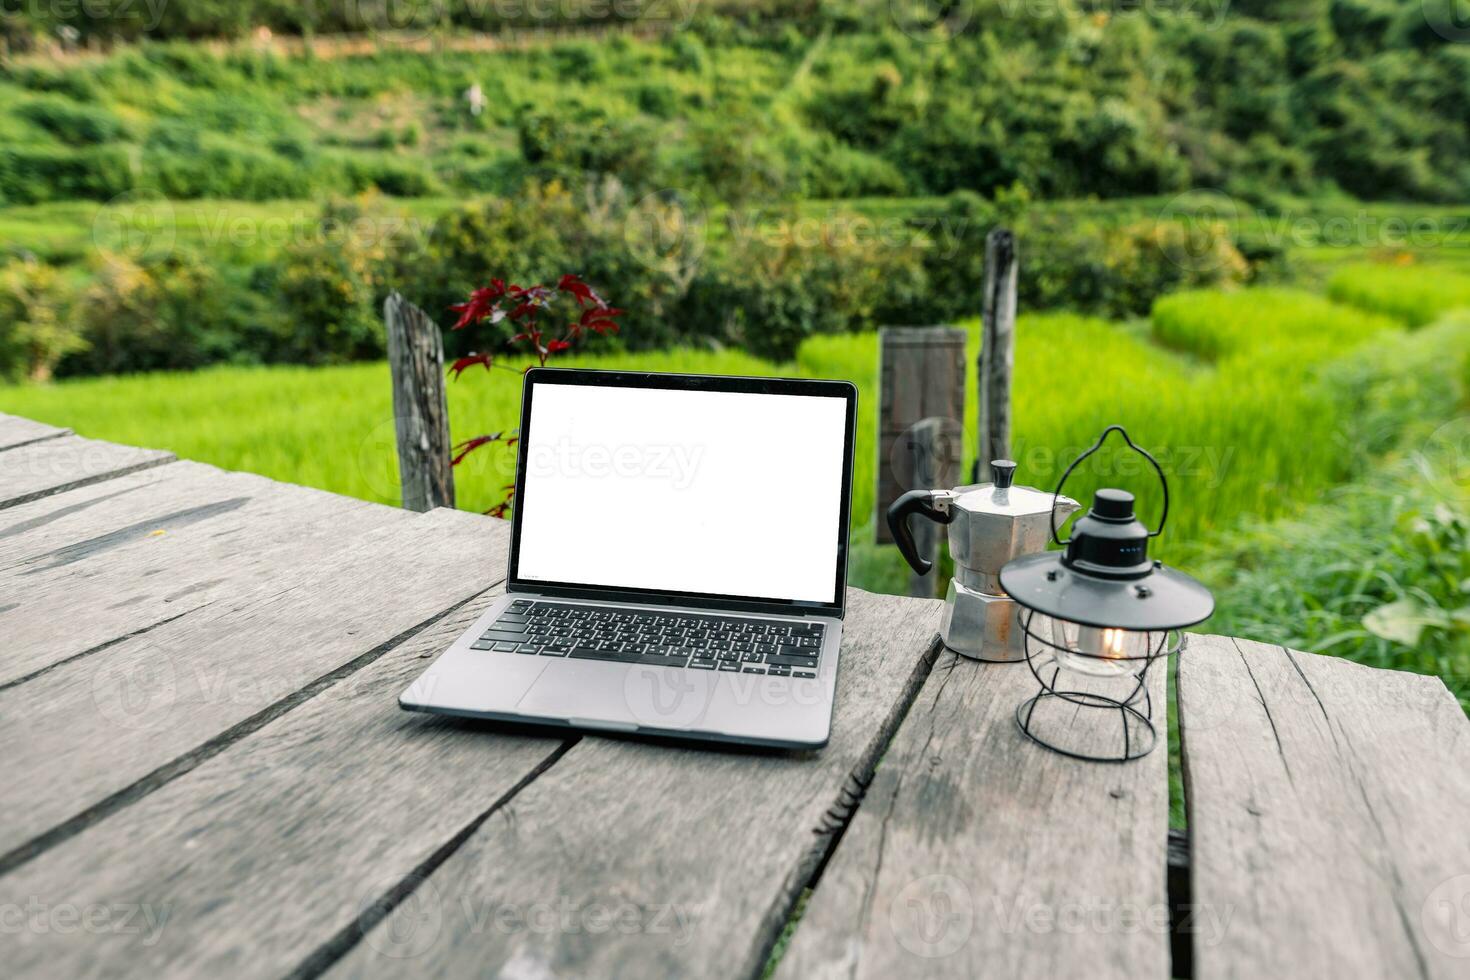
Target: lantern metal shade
[1162,599]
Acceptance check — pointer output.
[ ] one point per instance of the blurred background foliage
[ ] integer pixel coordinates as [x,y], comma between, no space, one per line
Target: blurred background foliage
[733,120]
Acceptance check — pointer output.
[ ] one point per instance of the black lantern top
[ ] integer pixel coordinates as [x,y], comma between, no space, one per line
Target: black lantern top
[1104,578]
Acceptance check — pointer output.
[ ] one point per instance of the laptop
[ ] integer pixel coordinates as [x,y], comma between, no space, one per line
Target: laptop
[678,561]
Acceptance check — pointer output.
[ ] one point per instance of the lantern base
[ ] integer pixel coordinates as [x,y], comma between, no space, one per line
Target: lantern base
[1051,720]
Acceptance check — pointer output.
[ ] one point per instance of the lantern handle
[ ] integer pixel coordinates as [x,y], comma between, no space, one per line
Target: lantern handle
[1163,480]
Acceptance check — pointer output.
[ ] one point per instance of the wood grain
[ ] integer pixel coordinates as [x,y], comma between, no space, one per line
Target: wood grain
[635,859]
[1327,804]
[16,431]
[420,409]
[155,705]
[128,561]
[997,348]
[50,466]
[977,853]
[263,855]
[921,376]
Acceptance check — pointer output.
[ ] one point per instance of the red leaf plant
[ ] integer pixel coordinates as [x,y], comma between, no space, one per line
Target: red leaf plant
[524,307]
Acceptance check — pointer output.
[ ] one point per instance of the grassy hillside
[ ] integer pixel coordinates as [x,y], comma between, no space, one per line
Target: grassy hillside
[748,175]
[826,100]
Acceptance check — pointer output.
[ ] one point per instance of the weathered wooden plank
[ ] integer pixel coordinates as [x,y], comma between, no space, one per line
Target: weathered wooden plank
[156,704]
[186,535]
[633,859]
[1327,805]
[61,518]
[979,854]
[53,465]
[257,860]
[16,432]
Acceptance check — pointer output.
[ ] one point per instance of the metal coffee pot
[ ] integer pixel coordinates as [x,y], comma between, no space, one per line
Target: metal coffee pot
[989,524]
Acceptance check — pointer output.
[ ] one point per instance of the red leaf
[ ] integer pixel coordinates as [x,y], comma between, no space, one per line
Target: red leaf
[598,319]
[584,293]
[557,346]
[463,449]
[480,305]
[499,509]
[537,293]
[464,363]
[603,322]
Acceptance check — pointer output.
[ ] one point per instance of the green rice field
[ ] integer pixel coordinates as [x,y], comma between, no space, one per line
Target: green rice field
[1255,402]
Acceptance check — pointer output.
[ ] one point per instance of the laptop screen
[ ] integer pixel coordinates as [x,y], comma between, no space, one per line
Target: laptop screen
[686,490]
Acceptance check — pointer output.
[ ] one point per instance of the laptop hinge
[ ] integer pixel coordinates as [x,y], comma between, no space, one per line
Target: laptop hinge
[802,612]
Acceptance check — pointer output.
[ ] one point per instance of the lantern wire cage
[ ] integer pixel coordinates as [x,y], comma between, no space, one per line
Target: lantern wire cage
[1135,711]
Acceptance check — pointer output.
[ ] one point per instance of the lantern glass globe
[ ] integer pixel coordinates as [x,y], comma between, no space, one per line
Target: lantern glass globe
[1095,651]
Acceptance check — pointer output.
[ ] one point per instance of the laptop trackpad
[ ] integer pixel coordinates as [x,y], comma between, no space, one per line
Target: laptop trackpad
[648,696]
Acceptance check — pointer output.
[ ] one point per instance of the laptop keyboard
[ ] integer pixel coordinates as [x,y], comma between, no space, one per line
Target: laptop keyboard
[695,641]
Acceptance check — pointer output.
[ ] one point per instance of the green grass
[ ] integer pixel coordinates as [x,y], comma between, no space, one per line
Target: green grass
[1409,293]
[1234,439]
[1287,325]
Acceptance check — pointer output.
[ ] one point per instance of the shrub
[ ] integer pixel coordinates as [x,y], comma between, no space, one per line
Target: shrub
[70,121]
[767,297]
[328,292]
[220,170]
[535,236]
[34,176]
[36,327]
[571,142]
[737,159]
[152,313]
[1121,271]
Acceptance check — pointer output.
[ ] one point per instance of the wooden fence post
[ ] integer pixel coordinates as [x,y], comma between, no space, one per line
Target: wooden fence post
[997,349]
[420,411]
[921,411]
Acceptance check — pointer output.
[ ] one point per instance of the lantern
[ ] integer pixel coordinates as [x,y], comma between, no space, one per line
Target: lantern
[1095,617]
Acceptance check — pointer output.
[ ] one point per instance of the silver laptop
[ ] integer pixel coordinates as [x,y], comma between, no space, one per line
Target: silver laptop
[678,561]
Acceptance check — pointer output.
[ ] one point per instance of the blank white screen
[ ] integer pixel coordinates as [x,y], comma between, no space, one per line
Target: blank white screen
[691,491]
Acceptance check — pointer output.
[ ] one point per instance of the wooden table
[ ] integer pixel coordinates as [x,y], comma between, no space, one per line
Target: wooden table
[206,774]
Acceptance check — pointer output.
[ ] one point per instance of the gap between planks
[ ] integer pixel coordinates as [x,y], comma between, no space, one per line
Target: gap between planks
[852,798]
[105,460]
[181,765]
[836,822]
[379,909]
[811,796]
